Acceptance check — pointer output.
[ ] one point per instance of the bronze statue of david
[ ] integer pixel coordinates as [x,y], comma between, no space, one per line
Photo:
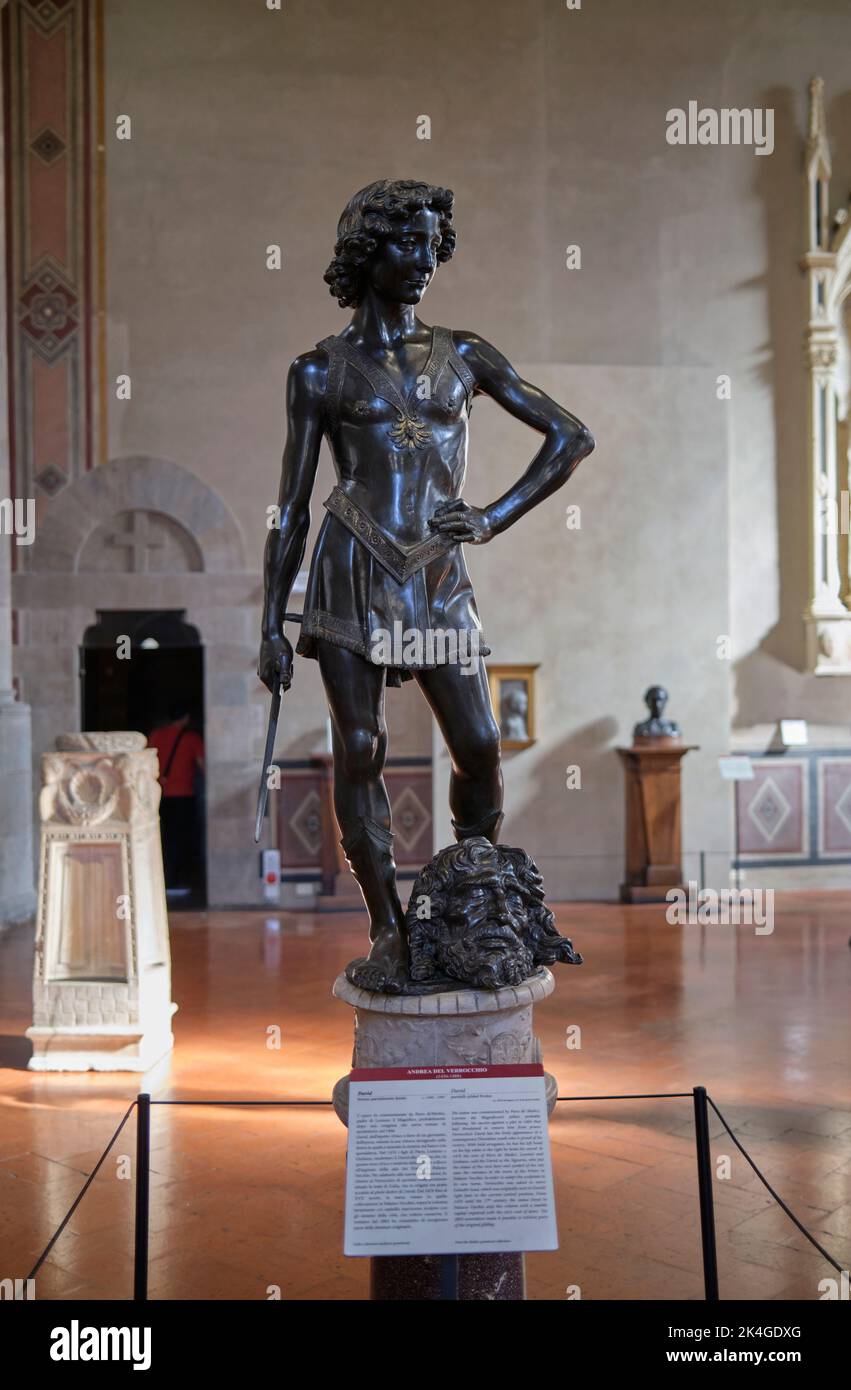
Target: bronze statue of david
[393,397]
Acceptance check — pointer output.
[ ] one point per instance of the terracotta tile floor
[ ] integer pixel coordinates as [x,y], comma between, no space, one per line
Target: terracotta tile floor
[247,1199]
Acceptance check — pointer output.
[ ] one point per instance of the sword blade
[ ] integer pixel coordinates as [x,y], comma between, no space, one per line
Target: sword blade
[272,729]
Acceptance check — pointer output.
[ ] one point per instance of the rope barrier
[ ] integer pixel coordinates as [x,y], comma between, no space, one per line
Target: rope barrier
[778,1199]
[90,1179]
[650,1095]
[658,1095]
[242,1102]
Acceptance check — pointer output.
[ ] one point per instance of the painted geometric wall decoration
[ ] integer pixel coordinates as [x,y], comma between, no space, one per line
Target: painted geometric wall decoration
[796,810]
[772,810]
[408,785]
[52,54]
[834,807]
[411,817]
[306,824]
[300,818]
[409,789]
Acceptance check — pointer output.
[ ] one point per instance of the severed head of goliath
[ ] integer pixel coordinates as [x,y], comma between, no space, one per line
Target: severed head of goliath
[477,916]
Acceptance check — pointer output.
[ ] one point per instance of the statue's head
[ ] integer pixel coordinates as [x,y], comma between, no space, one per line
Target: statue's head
[391,236]
[656,699]
[477,915]
[515,700]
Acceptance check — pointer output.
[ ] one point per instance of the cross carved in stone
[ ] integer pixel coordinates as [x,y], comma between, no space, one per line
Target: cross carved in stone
[138,540]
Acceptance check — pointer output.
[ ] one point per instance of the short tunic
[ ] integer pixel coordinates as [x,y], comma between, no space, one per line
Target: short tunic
[351,595]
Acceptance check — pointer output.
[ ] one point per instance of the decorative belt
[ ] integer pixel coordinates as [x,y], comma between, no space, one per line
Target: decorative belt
[399,560]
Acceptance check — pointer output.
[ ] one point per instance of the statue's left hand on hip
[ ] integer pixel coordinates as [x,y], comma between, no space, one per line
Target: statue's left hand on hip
[462,522]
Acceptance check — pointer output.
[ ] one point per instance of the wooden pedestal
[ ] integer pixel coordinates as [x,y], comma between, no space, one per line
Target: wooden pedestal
[653,851]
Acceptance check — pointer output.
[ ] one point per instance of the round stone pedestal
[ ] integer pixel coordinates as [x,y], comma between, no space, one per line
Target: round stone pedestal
[464,1026]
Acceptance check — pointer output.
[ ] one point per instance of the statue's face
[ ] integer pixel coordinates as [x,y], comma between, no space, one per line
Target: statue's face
[517,702]
[656,699]
[404,264]
[485,932]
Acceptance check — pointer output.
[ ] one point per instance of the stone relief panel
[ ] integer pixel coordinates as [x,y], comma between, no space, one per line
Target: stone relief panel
[91,789]
[90,944]
[140,542]
[500,1037]
[139,508]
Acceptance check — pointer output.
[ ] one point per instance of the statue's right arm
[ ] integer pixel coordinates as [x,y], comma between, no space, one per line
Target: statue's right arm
[288,537]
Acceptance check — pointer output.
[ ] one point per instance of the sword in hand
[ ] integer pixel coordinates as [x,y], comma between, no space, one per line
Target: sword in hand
[269,750]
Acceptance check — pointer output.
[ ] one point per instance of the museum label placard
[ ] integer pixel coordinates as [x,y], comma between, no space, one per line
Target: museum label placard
[448,1160]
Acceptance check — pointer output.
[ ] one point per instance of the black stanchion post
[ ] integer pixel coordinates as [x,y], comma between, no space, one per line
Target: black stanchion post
[449,1278]
[707,1205]
[143,1190]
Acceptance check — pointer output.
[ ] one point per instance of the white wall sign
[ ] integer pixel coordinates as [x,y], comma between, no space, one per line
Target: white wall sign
[736,768]
[448,1160]
[793,732]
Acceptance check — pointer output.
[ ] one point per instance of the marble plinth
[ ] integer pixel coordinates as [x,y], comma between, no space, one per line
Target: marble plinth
[492,1027]
[102,976]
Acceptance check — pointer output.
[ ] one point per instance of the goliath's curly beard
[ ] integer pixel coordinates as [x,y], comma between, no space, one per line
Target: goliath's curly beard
[474,965]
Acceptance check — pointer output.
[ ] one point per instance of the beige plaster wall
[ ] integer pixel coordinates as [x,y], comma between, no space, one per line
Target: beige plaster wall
[628,599]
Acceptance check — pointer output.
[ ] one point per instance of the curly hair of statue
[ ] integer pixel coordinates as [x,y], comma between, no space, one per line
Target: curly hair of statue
[477,917]
[370,215]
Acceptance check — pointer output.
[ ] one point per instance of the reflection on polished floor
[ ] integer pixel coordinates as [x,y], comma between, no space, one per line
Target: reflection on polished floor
[244,1200]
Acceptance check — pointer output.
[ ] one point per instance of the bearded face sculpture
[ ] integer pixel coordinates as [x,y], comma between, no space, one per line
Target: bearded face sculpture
[477,917]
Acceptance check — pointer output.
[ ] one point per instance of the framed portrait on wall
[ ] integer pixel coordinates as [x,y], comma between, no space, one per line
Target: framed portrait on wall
[513,698]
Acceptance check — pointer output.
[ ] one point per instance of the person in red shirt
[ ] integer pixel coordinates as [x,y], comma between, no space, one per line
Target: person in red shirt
[180,750]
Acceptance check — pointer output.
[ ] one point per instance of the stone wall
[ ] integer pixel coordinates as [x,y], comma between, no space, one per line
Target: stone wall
[57,600]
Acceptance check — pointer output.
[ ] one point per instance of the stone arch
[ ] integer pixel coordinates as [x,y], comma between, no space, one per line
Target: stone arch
[145,484]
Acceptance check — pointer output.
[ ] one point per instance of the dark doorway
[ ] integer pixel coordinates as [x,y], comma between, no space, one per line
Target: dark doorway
[145,671]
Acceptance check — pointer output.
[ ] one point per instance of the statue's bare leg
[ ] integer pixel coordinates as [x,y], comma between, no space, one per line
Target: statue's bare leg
[461,704]
[355,691]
